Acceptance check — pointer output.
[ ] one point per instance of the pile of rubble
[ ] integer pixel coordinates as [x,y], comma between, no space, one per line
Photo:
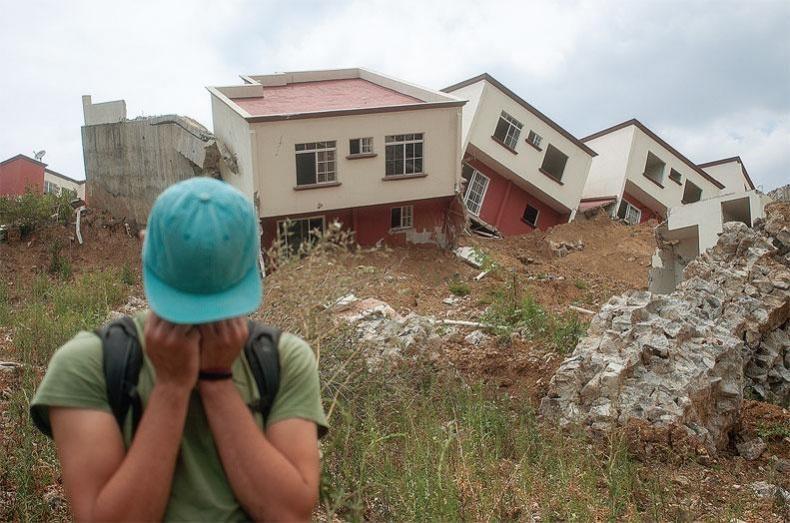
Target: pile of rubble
[563,248]
[677,365]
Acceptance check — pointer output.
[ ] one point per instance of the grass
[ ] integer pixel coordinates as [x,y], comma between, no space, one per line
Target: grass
[49,312]
[514,310]
[774,431]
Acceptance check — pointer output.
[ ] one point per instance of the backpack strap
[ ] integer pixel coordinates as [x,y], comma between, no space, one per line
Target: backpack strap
[263,356]
[122,361]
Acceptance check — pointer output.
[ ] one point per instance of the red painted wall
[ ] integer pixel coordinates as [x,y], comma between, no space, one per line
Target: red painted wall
[19,174]
[647,212]
[372,223]
[504,205]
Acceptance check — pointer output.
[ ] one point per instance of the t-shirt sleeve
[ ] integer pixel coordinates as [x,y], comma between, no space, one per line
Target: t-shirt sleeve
[299,395]
[74,378]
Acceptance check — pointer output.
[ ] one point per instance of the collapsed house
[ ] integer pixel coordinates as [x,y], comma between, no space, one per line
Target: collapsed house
[129,162]
[675,367]
[521,170]
[639,176]
[376,154]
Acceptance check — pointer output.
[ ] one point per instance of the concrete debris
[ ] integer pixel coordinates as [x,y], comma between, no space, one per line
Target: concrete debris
[751,449]
[476,338]
[471,256]
[676,365]
[451,300]
[10,367]
[781,465]
[767,490]
[781,194]
[130,308]
[580,309]
[563,248]
[387,333]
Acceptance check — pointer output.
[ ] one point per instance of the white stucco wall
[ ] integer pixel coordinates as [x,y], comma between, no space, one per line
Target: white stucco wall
[235,132]
[527,161]
[472,94]
[607,171]
[274,160]
[63,183]
[671,194]
[731,176]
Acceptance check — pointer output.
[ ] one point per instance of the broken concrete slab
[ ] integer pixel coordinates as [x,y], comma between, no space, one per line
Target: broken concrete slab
[471,256]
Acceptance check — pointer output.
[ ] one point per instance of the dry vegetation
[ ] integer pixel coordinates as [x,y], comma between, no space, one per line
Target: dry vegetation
[441,436]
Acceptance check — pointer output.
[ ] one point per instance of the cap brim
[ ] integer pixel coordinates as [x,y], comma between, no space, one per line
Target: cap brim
[181,307]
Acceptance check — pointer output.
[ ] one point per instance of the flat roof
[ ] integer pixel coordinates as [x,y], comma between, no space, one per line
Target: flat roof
[642,127]
[523,103]
[323,95]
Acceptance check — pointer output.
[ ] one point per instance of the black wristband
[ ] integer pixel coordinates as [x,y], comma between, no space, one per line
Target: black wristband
[215,376]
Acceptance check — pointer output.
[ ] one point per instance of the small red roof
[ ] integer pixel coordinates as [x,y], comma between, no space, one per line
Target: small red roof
[324,95]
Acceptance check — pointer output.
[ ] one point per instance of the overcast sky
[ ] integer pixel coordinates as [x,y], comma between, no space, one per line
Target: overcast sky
[710,77]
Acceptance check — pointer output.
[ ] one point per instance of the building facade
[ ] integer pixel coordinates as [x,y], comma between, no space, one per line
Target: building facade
[640,176]
[521,170]
[376,154]
[731,173]
[20,174]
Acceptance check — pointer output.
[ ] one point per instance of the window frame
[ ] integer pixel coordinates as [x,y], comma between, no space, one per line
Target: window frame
[51,188]
[542,168]
[283,238]
[406,214]
[317,149]
[468,190]
[677,179]
[531,140]
[402,142]
[534,223]
[629,205]
[360,149]
[510,134]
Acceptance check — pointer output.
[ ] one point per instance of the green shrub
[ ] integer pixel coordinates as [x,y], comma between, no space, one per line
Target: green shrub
[58,264]
[127,274]
[458,287]
[31,210]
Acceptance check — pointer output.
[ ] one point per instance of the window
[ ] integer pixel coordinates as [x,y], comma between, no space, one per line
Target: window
[675,176]
[691,193]
[654,169]
[51,188]
[629,213]
[403,154]
[475,190]
[360,146]
[402,217]
[531,216]
[554,162]
[508,130]
[534,139]
[315,163]
[293,233]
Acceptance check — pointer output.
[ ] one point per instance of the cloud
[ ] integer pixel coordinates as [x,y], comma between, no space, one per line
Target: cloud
[701,73]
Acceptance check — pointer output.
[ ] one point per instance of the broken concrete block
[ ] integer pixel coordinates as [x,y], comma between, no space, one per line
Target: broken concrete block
[471,256]
[752,449]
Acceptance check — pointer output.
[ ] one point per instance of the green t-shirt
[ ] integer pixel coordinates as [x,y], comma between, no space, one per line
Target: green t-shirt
[200,489]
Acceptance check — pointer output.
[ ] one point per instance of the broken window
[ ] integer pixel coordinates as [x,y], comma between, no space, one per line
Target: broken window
[508,130]
[654,169]
[403,154]
[691,193]
[402,217]
[629,213]
[554,162]
[531,216]
[293,233]
[315,163]
[675,176]
[360,146]
[475,190]
[535,139]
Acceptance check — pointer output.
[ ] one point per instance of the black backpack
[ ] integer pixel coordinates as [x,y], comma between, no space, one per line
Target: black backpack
[123,359]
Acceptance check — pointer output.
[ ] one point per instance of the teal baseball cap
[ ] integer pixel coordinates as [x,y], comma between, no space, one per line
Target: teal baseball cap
[200,253]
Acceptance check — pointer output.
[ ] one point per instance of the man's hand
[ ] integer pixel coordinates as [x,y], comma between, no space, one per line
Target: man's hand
[174,351]
[221,342]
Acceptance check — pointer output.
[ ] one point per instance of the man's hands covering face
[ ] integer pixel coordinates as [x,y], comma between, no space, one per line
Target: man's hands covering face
[221,342]
[174,351]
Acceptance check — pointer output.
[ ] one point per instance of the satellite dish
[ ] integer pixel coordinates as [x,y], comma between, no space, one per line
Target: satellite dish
[39,155]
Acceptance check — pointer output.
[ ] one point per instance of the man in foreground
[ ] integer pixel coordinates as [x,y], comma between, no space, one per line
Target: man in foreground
[198,452]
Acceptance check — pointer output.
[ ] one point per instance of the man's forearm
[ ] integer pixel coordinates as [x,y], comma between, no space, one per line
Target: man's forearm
[266,484]
[139,490]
